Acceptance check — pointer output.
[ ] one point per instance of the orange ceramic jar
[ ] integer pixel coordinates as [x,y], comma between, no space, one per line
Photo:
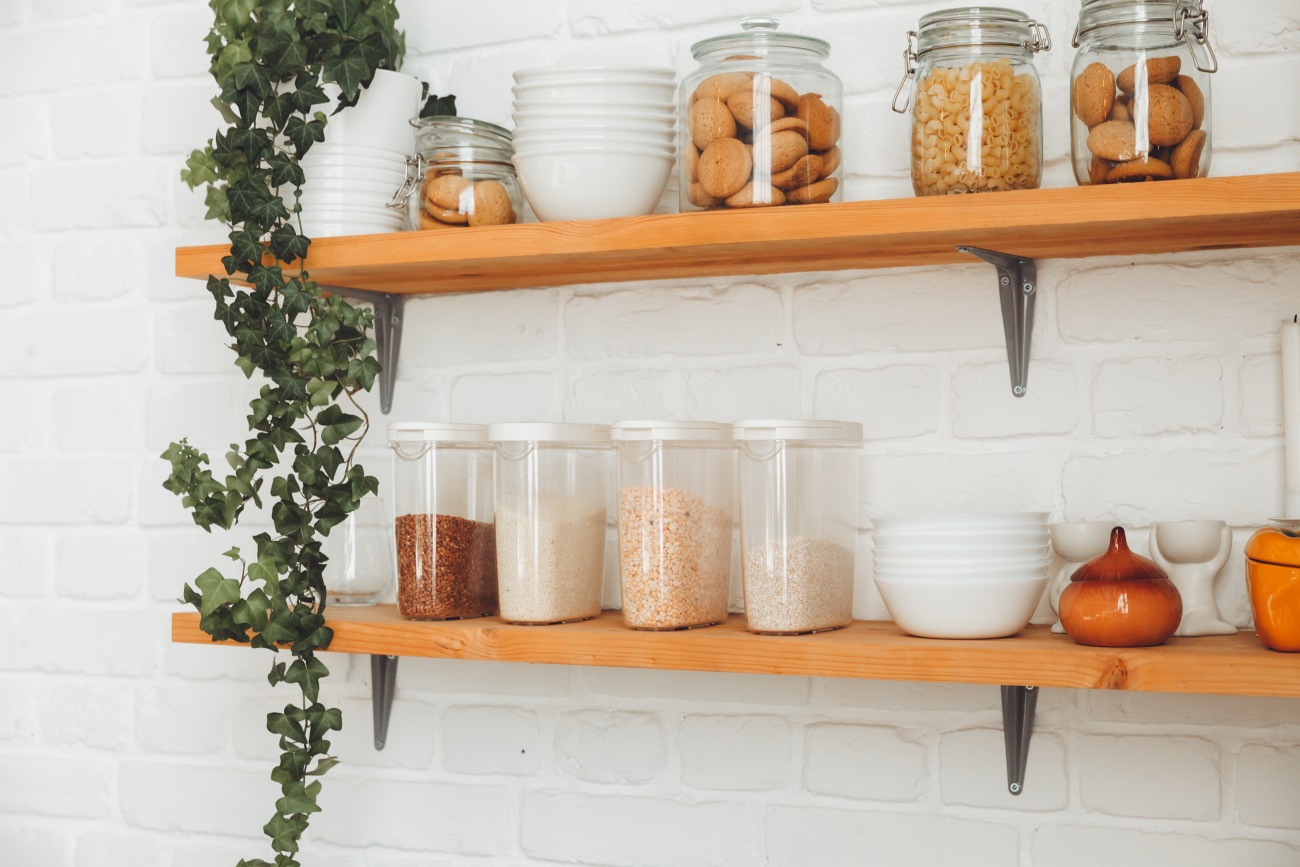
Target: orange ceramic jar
[1273,579]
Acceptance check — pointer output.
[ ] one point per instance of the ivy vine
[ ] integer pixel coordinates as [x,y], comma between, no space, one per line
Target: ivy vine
[270,59]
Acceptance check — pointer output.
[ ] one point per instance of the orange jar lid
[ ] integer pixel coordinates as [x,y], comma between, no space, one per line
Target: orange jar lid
[1275,545]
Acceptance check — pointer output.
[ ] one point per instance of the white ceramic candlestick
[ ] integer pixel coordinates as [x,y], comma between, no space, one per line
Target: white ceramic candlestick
[1192,553]
[1291,414]
[1075,542]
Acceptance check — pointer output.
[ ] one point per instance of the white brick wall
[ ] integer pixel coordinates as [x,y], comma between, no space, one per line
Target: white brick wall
[1152,395]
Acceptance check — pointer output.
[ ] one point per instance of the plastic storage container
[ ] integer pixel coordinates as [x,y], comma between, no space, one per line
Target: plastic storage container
[798,523]
[442,502]
[551,487]
[675,494]
[461,175]
[977,118]
[1140,101]
[785,152]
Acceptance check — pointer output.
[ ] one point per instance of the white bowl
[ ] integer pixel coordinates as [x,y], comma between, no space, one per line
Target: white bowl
[961,609]
[967,571]
[347,199]
[588,117]
[561,73]
[573,183]
[363,166]
[961,541]
[333,227]
[381,117]
[647,108]
[943,523]
[316,183]
[997,560]
[328,149]
[607,90]
[351,174]
[532,140]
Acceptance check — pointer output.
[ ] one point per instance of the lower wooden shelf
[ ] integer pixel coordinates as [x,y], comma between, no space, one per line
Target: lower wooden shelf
[1220,665]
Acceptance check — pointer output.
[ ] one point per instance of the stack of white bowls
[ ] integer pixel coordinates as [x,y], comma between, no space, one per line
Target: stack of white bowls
[594,141]
[961,576]
[353,174]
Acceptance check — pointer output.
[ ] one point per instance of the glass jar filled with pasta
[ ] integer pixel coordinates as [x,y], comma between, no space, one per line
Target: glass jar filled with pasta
[975,101]
[1140,92]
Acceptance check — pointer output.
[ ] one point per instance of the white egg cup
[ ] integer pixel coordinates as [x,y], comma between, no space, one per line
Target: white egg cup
[1192,553]
[1075,542]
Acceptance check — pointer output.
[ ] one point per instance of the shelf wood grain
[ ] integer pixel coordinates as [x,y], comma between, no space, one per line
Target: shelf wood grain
[1218,665]
[1074,222]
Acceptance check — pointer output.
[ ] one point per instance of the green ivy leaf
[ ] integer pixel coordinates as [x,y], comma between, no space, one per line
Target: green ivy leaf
[217,590]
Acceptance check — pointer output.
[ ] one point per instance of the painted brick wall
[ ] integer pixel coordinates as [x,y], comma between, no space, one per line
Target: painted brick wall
[1153,395]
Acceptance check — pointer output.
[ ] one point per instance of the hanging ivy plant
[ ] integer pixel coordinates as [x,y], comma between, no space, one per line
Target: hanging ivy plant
[270,59]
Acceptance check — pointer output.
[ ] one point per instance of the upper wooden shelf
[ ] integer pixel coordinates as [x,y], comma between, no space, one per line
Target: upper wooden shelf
[1119,219]
[1221,665]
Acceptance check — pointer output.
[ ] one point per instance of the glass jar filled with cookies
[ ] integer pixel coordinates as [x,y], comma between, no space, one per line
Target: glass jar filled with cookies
[977,117]
[461,175]
[760,122]
[1140,99]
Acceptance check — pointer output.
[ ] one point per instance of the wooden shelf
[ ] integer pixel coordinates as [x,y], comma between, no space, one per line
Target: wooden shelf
[1120,219]
[1220,665]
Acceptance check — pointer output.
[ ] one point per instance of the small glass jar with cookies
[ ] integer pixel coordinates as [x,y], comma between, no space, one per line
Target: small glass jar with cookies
[760,122]
[460,176]
[1140,99]
[976,104]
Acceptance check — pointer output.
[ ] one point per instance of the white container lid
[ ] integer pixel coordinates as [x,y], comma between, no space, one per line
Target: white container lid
[548,432]
[798,430]
[436,432]
[646,431]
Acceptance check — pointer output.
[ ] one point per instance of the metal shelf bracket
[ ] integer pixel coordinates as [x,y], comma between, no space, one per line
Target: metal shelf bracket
[1018,704]
[388,335]
[383,683]
[1017,285]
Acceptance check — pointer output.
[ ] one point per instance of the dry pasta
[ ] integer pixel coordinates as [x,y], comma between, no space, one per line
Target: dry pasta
[960,149]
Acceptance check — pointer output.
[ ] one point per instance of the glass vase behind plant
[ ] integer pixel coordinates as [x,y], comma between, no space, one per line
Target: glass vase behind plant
[360,567]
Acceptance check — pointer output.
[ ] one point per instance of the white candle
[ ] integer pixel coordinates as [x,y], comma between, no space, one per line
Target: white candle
[1291,414]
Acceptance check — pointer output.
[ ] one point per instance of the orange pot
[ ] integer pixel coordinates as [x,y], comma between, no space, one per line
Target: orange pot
[1273,579]
[1120,600]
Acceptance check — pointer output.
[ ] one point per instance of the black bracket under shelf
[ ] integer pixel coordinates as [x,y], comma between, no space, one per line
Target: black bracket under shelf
[1018,705]
[1017,286]
[383,683]
[388,335]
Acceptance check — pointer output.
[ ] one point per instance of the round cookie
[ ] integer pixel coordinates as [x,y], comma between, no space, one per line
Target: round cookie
[823,121]
[806,170]
[785,94]
[446,215]
[691,162]
[721,86]
[1119,111]
[815,194]
[1186,160]
[830,161]
[786,123]
[427,222]
[1145,169]
[1169,115]
[744,197]
[741,106]
[724,167]
[1160,70]
[445,191]
[1094,94]
[787,149]
[701,199]
[491,204]
[1188,87]
[1114,140]
[1098,170]
[710,119]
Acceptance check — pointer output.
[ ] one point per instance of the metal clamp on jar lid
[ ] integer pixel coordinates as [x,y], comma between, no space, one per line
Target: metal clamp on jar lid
[1190,22]
[969,27]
